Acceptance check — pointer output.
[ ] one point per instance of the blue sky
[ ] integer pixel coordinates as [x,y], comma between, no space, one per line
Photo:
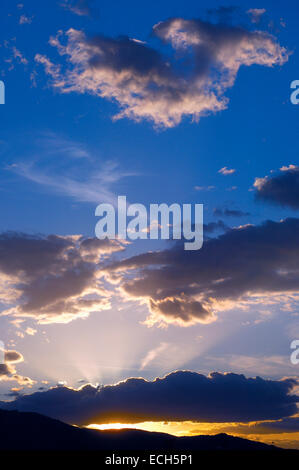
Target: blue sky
[189,154]
[63,153]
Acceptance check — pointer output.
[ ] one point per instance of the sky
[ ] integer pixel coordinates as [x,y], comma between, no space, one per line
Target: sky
[170,102]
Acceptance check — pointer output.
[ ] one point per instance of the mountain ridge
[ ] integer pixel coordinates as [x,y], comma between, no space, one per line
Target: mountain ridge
[32,431]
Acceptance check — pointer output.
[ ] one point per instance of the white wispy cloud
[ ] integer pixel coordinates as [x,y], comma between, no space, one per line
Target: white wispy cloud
[152,355]
[94,188]
[90,180]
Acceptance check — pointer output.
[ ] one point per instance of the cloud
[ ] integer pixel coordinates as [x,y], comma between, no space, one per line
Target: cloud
[8,369]
[78,7]
[60,146]
[18,56]
[93,187]
[87,181]
[229,213]
[30,331]
[181,310]
[213,227]
[12,54]
[265,365]
[256,14]
[226,171]
[204,188]
[149,85]
[179,396]
[185,288]
[281,189]
[152,355]
[13,357]
[25,19]
[5,371]
[284,425]
[54,278]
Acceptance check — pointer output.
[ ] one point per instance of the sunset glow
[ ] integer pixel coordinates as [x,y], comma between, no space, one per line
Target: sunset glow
[149,241]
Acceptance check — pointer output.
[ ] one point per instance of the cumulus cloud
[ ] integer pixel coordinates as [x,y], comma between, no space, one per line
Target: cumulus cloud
[13,357]
[147,84]
[53,278]
[5,371]
[8,369]
[181,310]
[179,396]
[184,287]
[281,189]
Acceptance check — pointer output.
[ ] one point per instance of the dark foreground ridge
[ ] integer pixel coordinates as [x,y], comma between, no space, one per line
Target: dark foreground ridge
[32,431]
[41,439]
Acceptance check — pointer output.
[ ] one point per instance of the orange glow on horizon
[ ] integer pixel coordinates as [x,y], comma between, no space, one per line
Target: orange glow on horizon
[190,428]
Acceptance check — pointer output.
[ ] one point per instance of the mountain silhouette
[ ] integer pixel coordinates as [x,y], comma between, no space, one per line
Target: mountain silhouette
[32,431]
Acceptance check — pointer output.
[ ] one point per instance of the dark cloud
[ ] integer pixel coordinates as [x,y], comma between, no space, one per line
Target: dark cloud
[183,310]
[53,278]
[281,189]
[8,370]
[179,396]
[147,84]
[13,356]
[5,370]
[239,267]
[12,393]
[213,227]
[284,425]
[229,213]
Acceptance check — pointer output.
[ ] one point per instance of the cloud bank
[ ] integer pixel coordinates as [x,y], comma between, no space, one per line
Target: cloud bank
[179,396]
[243,266]
[61,278]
